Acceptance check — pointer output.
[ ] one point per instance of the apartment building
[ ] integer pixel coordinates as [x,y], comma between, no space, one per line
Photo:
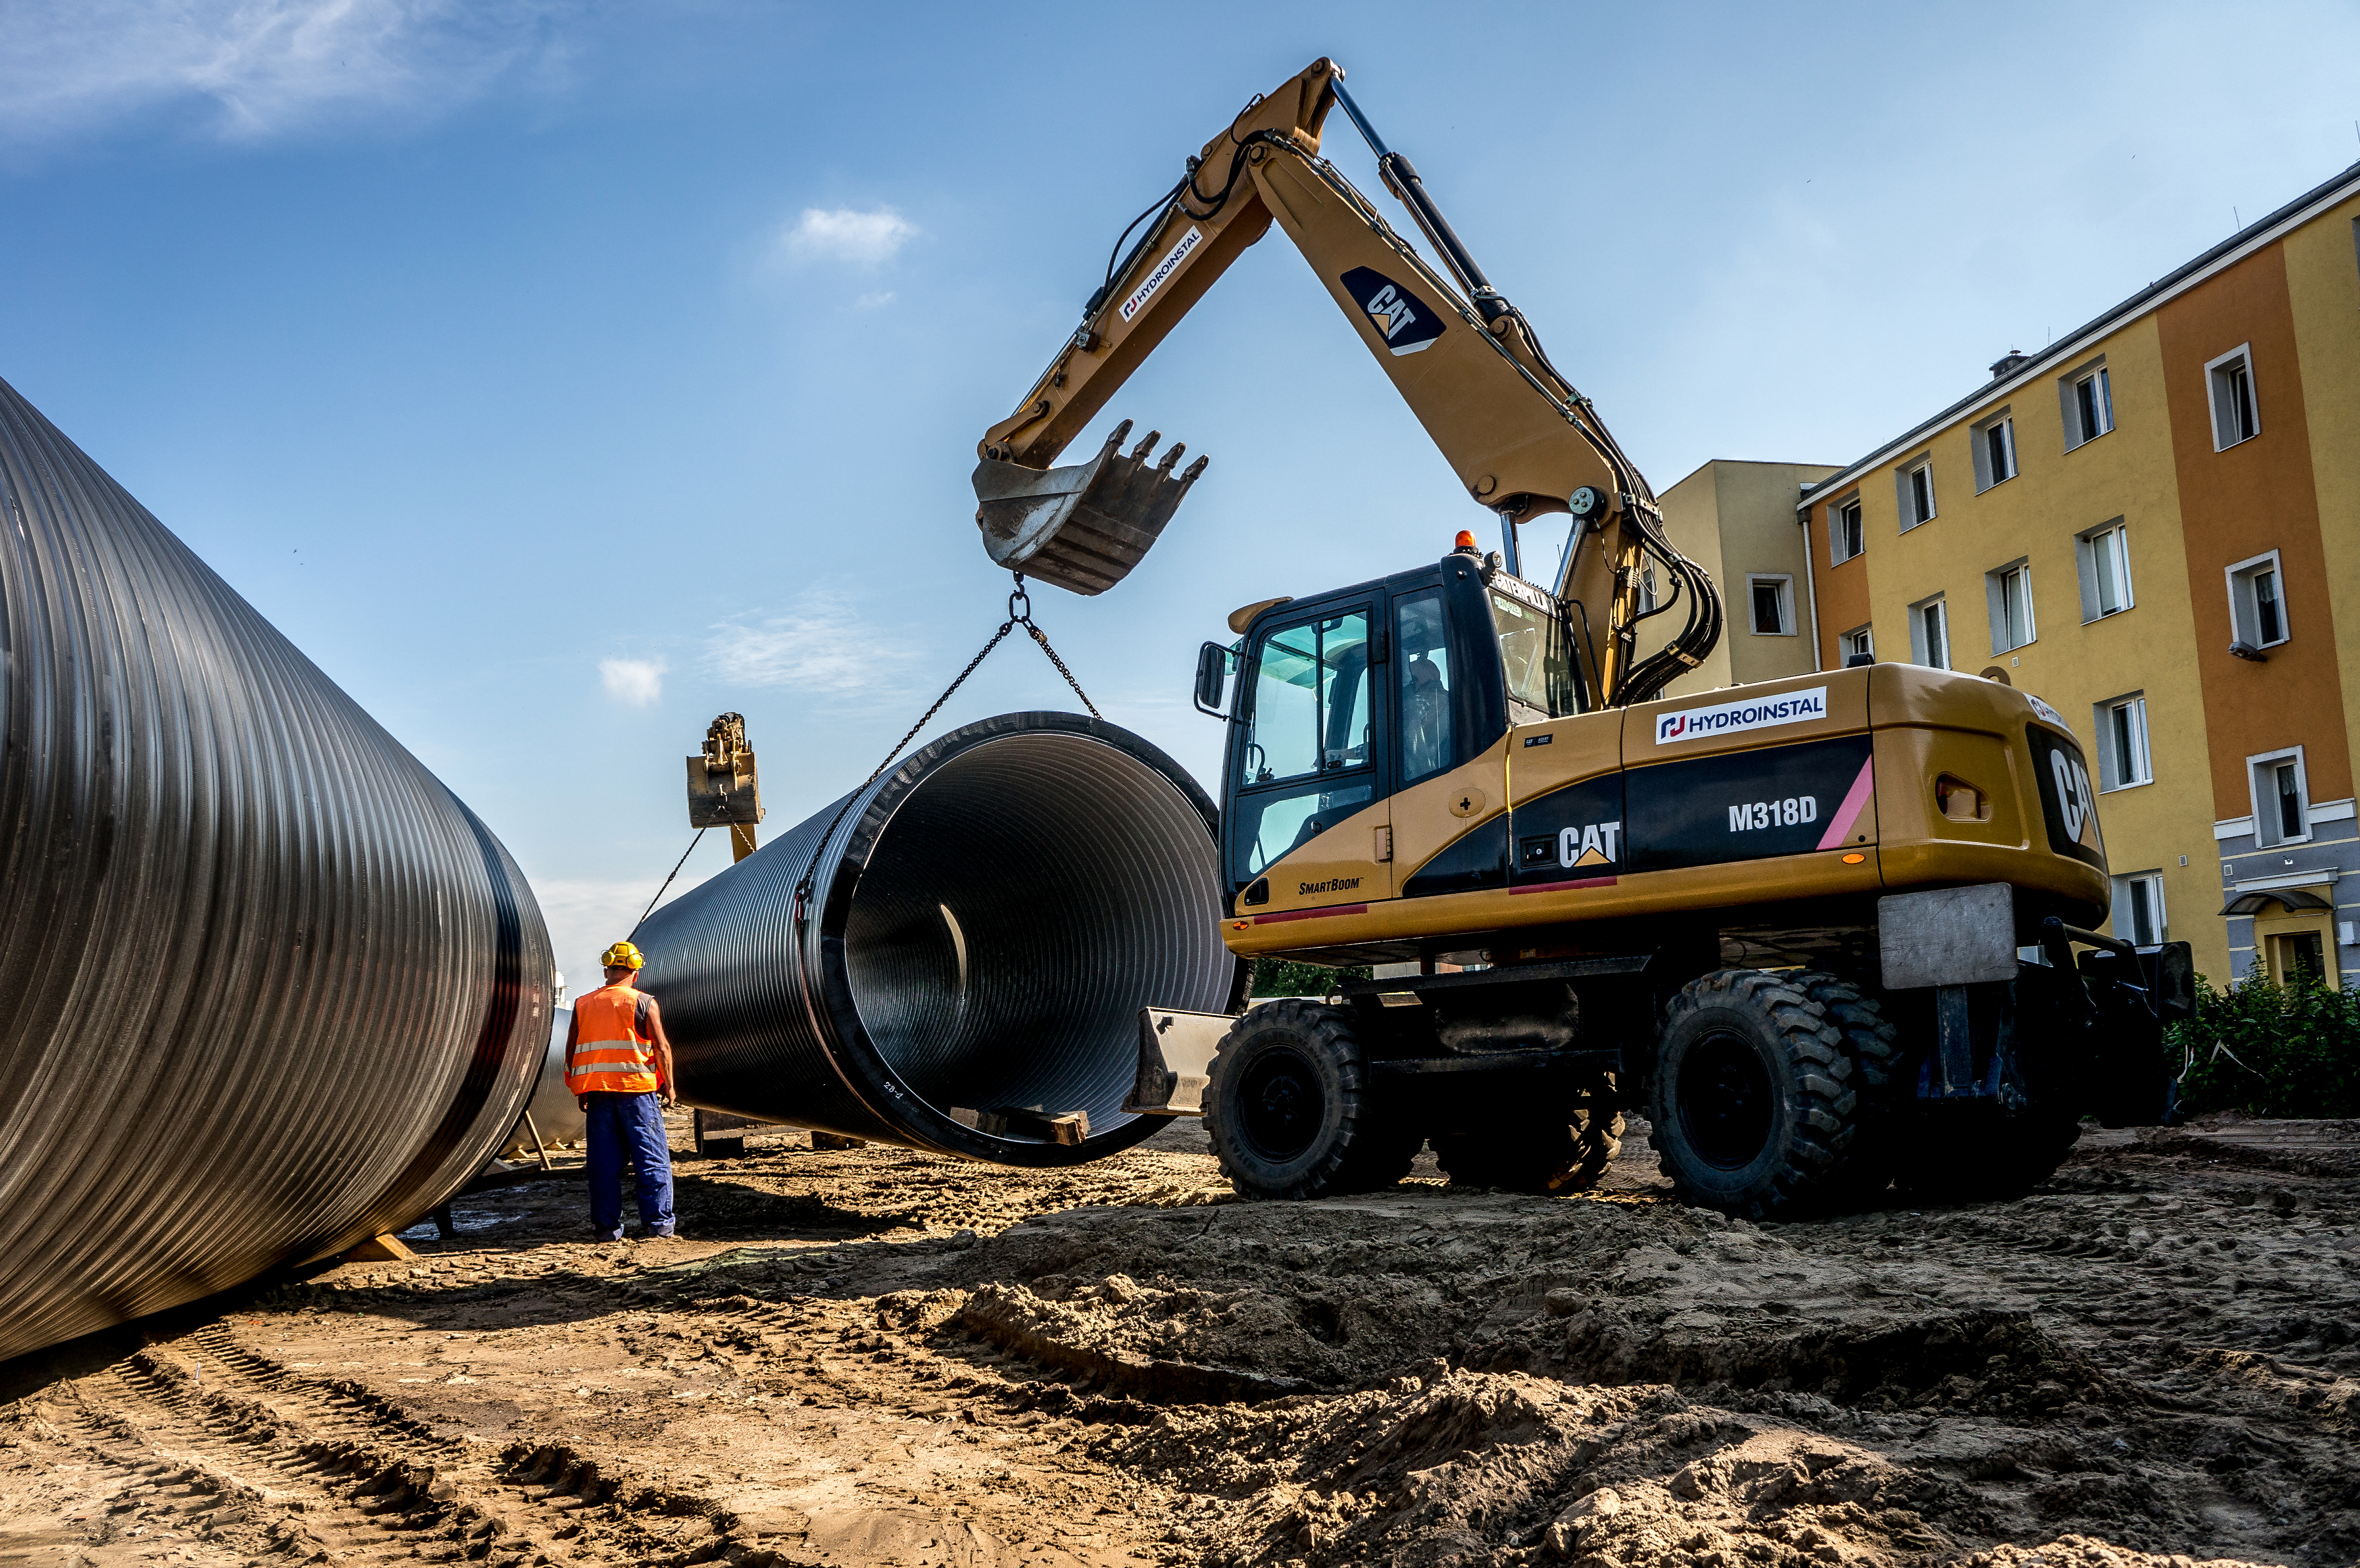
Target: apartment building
[2154,526]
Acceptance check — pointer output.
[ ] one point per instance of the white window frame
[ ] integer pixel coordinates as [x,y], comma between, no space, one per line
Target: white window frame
[1784,584]
[1837,511]
[1858,640]
[1919,650]
[2244,603]
[1995,597]
[1986,476]
[1648,592]
[2261,776]
[2069,397]
[2111,539]
[2216,382]
[2111,773]
[1905,492]
[2124,917]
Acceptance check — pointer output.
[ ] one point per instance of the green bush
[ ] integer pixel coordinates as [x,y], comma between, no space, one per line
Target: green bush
[2271,1050]
[1285,977]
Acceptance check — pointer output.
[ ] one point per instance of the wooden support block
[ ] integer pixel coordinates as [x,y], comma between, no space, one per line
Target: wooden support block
[836,1140]
[384,1249]
[1049,1126]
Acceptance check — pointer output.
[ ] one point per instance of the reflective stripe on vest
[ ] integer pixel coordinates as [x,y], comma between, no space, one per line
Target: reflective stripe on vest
[610,1055]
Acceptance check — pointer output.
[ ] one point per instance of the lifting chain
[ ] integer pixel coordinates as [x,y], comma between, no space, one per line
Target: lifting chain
[1019,614]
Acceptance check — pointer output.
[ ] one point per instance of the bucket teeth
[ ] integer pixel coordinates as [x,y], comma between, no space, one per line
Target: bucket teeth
[1082,527]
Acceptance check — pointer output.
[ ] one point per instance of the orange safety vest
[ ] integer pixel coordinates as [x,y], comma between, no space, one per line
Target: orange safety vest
[610,1054]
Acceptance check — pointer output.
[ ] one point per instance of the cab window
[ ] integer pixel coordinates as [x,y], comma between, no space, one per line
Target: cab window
[1310,701]
[1308,762]
[1423,665]
[1537,652]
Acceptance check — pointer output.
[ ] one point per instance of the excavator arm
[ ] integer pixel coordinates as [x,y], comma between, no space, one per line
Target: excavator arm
[1519,437]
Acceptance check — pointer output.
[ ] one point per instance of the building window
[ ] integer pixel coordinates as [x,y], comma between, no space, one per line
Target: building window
[2009,590]
[1845,538]
[1913,485]
[1648,598]
[2282,796]
[2089,401]
[2138,909]
[2123,759]
[1859,646]
[1929,633]
[2297,955]
[2104,556]
[1994,449]
[1772,605]
[2229,382]
[2257,601]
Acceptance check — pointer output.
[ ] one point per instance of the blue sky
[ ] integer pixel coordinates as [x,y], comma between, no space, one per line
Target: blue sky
[559,376]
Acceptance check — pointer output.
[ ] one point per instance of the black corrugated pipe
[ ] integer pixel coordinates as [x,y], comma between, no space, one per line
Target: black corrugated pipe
[267,988]
[985,922]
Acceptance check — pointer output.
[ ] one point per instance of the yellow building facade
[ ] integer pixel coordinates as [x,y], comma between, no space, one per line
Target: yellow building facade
[2153,526]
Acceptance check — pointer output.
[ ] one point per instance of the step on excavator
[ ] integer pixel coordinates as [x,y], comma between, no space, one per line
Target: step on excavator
[1829,933]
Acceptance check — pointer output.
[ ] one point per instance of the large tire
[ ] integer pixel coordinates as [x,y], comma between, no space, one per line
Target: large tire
[1287,1107]
[1546,1156]
[1752,1105]
[1874,1047]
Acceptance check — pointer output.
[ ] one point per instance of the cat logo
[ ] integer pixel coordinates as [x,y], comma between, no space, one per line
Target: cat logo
[1406,323]
[1596,843]
[2073,794]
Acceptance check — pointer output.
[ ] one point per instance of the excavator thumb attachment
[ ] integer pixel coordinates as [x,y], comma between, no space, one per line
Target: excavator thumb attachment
[1082,527]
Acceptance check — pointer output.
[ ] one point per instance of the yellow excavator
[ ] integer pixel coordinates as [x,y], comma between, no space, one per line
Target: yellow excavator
[1829,933]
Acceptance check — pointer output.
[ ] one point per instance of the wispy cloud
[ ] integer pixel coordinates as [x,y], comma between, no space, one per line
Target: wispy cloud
[840,234]
[819,645]
[637,681]
[259,67]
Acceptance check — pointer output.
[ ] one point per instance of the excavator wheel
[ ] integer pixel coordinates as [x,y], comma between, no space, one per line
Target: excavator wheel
[1288,1108]
[1874,1047]
[1753,1102]
[1535,1157]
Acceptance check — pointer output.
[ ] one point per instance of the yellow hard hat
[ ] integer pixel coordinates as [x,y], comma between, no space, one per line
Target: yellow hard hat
[622,955]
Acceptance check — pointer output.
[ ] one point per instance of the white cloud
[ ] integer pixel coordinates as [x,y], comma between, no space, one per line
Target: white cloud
[873,302]
[637,681]
[586,916]
[839,233]
[262,67]
[819,647]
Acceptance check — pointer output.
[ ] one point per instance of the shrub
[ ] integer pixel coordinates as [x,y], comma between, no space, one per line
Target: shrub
[1285,977]
[2271,1050]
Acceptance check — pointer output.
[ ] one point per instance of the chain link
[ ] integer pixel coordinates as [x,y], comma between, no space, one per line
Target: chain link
[1016,618]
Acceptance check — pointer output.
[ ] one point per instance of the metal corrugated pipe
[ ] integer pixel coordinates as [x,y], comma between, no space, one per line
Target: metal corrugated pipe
[267,988]
[985,922]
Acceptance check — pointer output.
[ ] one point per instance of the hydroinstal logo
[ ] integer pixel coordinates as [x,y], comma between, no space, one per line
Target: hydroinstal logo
[1730,718]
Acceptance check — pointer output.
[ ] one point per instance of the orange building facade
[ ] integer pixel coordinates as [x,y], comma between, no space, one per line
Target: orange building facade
[2154,526]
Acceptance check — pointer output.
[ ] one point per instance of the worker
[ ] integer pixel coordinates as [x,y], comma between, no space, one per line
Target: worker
[618,1066]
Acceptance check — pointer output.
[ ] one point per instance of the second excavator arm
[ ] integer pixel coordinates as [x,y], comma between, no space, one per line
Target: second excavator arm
[1523,440]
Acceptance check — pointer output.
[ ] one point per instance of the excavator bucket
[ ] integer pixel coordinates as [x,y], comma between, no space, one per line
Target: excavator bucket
[1082,527]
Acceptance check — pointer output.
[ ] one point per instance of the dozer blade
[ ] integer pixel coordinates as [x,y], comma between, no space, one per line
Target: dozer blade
[1084,526]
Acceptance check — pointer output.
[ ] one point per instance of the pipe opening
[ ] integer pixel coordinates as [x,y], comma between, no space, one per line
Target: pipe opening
[1025,900]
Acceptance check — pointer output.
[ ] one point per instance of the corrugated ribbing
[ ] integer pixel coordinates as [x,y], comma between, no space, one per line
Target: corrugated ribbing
[266,987]
[988,920]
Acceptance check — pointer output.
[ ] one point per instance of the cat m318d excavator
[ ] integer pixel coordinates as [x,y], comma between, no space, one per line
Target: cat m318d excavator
[1830,932]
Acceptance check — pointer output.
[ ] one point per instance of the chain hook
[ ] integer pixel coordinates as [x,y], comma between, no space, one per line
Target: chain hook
[1019,596]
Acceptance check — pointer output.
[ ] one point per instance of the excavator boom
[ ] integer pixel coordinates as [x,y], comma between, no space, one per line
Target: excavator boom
[1523,440]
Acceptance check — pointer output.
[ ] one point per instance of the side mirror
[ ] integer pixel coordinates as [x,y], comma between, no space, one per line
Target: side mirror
[1212,679]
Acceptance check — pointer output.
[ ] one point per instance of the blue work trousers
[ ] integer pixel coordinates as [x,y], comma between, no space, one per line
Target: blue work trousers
[629,1127]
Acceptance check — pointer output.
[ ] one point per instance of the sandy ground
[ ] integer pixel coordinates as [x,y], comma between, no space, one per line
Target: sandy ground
[877,1356]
